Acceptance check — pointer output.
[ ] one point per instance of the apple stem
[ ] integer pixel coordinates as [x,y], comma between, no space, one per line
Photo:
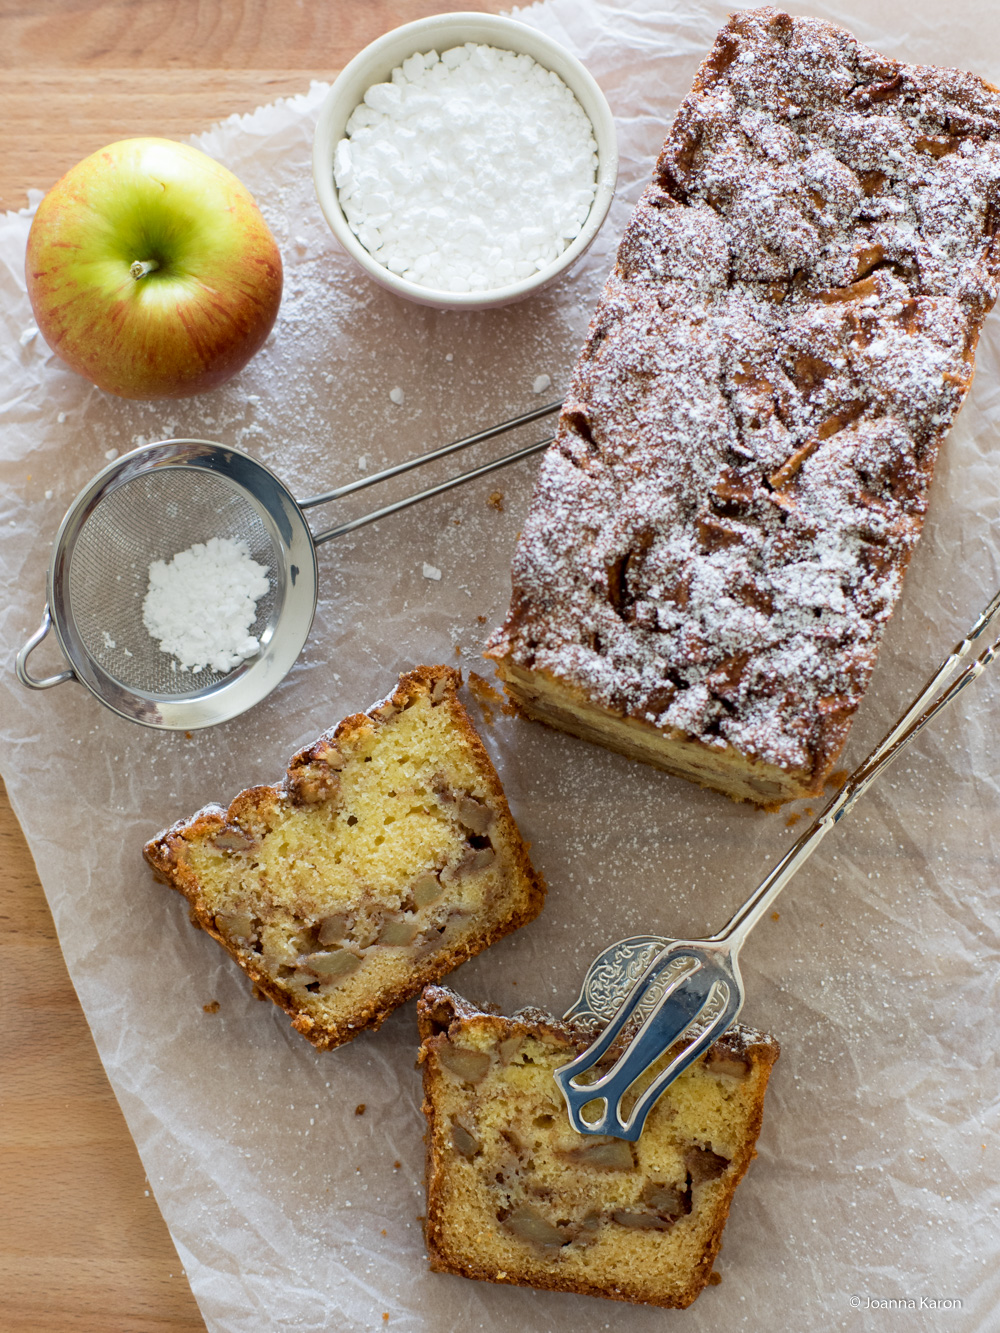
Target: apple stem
[143,266]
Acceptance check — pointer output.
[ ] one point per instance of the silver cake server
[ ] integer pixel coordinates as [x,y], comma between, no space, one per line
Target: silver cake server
[691,991]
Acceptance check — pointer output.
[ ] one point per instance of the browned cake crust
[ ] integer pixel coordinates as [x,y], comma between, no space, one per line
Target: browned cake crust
[278,921]
[515,1195]
[719,533]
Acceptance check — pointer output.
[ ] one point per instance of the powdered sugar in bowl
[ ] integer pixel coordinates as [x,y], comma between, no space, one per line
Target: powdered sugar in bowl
[423,209]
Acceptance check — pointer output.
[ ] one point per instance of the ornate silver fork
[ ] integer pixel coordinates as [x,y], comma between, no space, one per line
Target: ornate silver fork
[692,989]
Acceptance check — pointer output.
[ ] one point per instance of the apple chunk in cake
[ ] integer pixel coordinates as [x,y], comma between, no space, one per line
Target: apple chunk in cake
[387,857]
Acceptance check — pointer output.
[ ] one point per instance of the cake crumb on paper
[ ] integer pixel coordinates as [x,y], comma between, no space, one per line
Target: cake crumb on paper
[485,695]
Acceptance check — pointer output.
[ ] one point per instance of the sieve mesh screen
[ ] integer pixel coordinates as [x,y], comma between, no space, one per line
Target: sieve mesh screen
[152,517]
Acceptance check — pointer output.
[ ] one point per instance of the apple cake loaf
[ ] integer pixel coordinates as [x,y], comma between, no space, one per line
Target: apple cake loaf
[514,1194]
[719,533]
[386,857]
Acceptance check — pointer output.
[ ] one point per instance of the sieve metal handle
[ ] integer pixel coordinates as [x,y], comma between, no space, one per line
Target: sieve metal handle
[376,478]
[21,664]
[353,524]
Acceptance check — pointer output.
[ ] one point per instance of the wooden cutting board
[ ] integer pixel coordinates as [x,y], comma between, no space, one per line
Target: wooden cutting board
[83,1248]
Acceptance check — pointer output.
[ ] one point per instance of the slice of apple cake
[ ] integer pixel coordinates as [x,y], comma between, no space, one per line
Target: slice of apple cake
[515,1194]
[386,857]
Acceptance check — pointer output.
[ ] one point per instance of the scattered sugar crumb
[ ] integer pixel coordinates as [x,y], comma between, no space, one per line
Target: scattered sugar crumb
[61,418]
[111,454]
[138,440]
[363,463]
[449,356]
[29,335]
[431,571]
[108,640]
[48,495]
[540,383]
[397,395]
[301,243]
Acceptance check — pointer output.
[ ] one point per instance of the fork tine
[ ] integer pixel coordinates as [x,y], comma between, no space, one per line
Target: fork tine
[645,1048]
[612,1087]
[680,1062]
[680,1003]
[567,1073]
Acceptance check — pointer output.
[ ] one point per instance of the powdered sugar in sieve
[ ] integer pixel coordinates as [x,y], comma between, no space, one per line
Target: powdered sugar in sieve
[201,605]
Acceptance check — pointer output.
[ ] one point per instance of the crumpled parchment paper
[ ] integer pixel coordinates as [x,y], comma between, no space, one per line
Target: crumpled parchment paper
[878,1175]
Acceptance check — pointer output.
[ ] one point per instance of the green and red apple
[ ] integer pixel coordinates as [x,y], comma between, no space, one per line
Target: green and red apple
[151,270]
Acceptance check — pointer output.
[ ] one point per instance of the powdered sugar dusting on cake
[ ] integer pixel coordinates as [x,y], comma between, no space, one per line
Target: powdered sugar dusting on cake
[719,534]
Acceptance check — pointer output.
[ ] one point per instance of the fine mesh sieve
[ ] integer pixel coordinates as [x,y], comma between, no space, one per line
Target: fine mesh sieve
[108,569]
[162,499]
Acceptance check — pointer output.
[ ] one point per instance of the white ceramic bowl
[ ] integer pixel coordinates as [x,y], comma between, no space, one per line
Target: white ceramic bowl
[438,33]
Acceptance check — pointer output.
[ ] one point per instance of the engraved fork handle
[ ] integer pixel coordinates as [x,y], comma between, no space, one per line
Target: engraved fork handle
[925,706]
[683,981]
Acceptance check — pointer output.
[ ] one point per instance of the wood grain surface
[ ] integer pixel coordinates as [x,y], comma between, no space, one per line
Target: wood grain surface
[83,1248]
